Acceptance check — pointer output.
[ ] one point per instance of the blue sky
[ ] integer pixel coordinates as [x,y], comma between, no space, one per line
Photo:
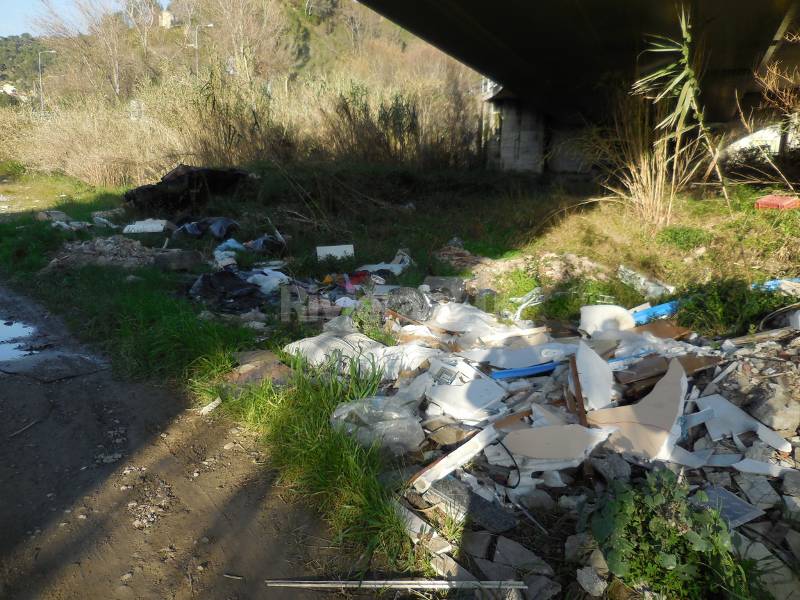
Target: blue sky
[17,16]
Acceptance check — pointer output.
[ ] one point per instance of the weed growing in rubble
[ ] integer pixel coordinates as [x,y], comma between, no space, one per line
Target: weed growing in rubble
[654,538]
[368,320]
[565,300]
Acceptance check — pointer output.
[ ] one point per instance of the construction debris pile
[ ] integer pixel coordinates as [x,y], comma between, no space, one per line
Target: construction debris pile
[505,423]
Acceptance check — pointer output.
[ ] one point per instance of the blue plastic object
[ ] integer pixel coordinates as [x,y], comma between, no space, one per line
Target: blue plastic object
[773,284]
[542,369]
[660,311]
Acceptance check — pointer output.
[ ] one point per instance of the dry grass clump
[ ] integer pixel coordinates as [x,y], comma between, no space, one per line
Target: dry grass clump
[220,121]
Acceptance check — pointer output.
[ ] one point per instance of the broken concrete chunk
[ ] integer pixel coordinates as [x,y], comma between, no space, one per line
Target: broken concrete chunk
[541,588]
[476,543]
[258,366]
[780,410]
[514,554]
[612,467]
[538,501]
[761,468]
[578,548]
[718,478]
[773,573]
[791,508]
[571,503]
[758,490]
[791,483]
[493,571]
[793,540]
[591,582]
[458,501]
[598,562]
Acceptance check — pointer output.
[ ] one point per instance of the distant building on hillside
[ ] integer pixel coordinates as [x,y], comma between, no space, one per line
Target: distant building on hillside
[166,19]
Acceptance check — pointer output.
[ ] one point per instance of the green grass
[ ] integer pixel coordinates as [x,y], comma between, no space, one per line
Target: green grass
[564,301]
[727,307]
[684,238]
[326,467]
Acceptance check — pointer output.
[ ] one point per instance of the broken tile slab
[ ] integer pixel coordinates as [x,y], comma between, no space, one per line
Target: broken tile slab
[778,579]
[541,588]
[612,467]
[596,377]
[791,508]
[718,478]
[495,571]
[758,490]
[732,509]
[458,501]
[514,554]
[476,543]
[598,562]
[724,460]
[649,428]
[450,462]
[449,434]
[467,402]
[791,483]
[447,568]
[756,467]
[730,420]
[50,366]
[591,582]
[570,444]
[778,409]
[538,501]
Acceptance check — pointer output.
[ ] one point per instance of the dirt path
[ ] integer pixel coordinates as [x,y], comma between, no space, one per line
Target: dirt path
[118,490]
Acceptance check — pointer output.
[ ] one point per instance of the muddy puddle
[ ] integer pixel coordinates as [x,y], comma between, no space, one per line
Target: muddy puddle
[14,337]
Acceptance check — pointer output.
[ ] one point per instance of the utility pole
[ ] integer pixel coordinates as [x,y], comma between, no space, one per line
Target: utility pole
[196,46]
[41,89]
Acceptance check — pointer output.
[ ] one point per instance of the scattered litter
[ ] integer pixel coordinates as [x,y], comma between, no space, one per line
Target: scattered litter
[399,263]
[210,407]
[148,226]
[605,318]
[649,288]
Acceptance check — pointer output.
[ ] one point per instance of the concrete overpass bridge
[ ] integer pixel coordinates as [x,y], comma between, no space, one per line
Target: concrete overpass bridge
[557,60]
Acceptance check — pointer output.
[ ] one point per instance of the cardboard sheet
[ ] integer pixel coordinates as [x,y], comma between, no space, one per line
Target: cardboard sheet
[556,442]
[596,378]
[648,428]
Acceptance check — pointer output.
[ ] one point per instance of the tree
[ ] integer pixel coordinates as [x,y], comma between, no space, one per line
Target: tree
[255,36]
[143,16]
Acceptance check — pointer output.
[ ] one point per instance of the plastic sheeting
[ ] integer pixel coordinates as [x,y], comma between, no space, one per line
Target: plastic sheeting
[380,420]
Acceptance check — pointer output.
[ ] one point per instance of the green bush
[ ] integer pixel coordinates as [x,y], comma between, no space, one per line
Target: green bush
[684,238]
[726,307]
[653,537]
[565,300]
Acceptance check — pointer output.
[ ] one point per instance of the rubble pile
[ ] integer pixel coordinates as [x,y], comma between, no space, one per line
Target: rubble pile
[119,251]
[509,425]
